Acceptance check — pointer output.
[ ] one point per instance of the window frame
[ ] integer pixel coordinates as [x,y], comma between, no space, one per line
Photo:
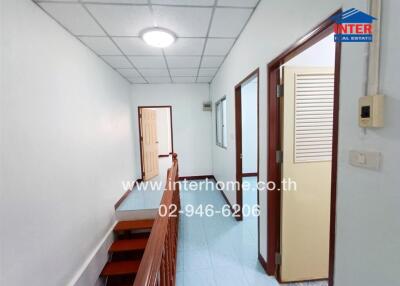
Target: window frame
[224,133]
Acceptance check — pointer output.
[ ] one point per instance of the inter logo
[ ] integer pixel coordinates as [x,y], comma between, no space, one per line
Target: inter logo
[353,26]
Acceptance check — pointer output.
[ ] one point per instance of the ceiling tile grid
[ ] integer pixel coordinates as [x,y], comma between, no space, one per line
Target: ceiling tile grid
[205,32]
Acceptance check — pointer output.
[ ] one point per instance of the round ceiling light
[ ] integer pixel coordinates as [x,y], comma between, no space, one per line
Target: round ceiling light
[158,37]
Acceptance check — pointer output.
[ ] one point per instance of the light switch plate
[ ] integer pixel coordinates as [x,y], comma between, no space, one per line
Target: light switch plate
[371,111]
[366,159]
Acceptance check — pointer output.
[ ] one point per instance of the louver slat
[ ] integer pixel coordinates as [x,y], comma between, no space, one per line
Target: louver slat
[313,117]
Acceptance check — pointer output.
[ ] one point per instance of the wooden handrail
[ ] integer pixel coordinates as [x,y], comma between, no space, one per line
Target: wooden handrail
[158,265]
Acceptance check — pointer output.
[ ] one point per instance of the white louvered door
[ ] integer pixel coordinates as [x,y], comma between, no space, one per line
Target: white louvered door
[307,150]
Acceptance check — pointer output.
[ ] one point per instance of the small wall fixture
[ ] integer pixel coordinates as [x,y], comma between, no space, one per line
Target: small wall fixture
[158,37]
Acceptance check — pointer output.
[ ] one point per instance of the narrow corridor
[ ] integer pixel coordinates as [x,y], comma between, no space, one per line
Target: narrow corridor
[217,250]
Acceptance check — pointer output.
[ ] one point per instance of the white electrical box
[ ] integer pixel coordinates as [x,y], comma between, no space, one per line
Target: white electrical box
[207,106]
[370,112]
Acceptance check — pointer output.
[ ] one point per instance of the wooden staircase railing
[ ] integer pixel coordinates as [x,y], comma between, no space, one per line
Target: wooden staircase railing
[158,265]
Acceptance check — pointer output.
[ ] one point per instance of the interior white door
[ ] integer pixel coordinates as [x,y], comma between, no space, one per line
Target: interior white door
[307,120]
[148,121]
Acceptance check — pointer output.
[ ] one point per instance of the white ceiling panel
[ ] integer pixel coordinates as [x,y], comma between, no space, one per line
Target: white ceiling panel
[101,45]
[74,18]
[116,1]
[205,79]
[229,22]
[185,46]
[207,72]
[154,72]
[136,80]
[117,61]
[129,73]
[238,3]
[136,47]
[183,72]
[122,20]
[212,62]
[186,79]
[55,0]
[218,46]
[112,28]
[184,2]
[183,21]
[149,62]
[175,62]
[158,79]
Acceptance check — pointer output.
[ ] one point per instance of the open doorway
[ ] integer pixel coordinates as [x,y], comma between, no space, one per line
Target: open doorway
[156,139]
[247,153]
[303,114]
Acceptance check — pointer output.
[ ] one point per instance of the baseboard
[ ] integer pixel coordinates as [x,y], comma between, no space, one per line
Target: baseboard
[225,198]
[249,174]
[163,156]
[88,273]
[262,262]
[117,204]
[192,178]
[122,198]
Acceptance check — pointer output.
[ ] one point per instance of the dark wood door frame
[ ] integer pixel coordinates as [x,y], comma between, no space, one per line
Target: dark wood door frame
[140,132]
[238,128]
[274,138]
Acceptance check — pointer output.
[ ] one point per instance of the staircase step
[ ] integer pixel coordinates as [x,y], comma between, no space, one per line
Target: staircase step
[133,225]
[120,268]
[128,245]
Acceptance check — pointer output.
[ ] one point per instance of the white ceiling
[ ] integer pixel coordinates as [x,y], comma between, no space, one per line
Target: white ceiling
[206,31]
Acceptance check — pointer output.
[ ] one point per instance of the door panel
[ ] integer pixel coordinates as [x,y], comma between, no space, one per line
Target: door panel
[307,117]
[149,143]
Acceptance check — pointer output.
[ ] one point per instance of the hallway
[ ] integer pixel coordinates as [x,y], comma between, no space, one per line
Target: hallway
[217,250]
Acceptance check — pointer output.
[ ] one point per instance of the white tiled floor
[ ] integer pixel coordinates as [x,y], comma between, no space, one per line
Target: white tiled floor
[150,197]
[218,251]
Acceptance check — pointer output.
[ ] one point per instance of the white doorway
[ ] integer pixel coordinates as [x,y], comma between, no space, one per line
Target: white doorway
[156,140]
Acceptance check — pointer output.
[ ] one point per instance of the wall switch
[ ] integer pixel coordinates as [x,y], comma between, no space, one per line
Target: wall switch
[365,159]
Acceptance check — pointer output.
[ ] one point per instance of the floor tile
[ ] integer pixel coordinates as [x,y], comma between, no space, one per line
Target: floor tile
[232,276]
[199,278]
[218,250]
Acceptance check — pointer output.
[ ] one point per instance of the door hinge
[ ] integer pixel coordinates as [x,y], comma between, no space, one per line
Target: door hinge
[141,138]
[279,156]
[278,258]
[279,90]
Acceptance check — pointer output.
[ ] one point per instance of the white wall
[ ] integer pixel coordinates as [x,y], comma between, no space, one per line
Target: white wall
[368,227]
[191,125]
[322,54]
[163,131]
[249,126]
[66,145]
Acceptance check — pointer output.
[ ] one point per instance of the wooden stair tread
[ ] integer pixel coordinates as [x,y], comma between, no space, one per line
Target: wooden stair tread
[129,245]
[134,225]
[116,268]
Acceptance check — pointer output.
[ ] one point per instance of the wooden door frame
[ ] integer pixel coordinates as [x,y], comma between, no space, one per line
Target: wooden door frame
[274,137]
[140,132]
[238,130]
